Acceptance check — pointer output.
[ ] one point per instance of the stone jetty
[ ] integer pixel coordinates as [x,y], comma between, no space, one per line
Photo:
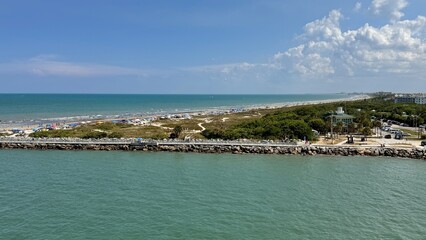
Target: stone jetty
[221,147]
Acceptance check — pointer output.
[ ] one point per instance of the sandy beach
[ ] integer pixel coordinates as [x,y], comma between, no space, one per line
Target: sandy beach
[29,125]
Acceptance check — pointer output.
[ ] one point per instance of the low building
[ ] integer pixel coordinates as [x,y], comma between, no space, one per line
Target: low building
[419,98]
[342,117]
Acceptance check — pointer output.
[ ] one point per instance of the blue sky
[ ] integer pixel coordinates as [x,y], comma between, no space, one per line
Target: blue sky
[303,46]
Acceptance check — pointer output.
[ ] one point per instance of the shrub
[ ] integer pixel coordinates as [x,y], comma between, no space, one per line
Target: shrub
[105,126]
[115,135]
[95,134]
[52,133]
[212,133]
[177,131]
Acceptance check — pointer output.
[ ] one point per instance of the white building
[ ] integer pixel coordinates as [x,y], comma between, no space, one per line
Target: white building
[420,100]
[410,98]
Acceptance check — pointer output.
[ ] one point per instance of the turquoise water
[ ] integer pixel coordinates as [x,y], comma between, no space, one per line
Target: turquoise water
[42,106]
[136,195]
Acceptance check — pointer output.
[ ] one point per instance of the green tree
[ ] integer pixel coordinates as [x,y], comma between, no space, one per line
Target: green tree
[318,124]
[177,131]
[377,124]
[421,120]
[299,129]
[213,133]
[364,119]
[338,128]
[351,128]
[366,131]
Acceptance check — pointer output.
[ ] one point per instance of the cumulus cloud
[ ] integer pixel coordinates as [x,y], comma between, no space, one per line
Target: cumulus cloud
[328,51]
[48,65]
[389,8]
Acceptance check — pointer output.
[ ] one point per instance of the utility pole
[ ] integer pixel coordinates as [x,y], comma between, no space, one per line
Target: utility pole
[331,127]
[418,128]
[415,123]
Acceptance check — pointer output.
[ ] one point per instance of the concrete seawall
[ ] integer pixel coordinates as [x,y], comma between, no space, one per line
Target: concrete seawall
[415,153]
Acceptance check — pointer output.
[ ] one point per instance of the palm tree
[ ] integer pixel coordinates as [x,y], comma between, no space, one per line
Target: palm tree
[338,128]
[377,124]
[366,131]
[351,128]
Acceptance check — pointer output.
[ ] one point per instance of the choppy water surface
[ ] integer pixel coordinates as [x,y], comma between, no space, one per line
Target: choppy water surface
[134,195]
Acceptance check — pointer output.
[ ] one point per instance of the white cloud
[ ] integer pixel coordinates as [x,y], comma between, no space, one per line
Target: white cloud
[389,8]
[47,65]
[222,68]
[237,75]
[327,51]
[357,7]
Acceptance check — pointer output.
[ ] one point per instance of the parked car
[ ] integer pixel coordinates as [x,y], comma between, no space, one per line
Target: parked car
[386,128]
[399,136]
[395,131]
[423,143]
[389,129]
[388,136]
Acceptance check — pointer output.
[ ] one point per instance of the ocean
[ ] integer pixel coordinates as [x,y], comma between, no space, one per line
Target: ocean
[30,107]
[139,195]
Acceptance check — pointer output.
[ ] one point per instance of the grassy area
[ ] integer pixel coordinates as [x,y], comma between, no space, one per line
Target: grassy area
[186,124]
[110,130]
[212,121]
[159,130]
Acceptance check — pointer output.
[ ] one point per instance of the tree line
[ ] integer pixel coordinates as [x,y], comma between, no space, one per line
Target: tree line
[298,122]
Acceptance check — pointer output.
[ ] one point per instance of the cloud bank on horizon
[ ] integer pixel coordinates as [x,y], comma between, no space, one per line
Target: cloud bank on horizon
[49,65]
[325,58]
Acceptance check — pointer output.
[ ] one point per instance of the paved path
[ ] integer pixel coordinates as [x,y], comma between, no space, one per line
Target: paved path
[201,126]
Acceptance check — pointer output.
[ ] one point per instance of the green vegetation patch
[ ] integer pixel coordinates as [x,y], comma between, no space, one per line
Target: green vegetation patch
[103,130]
[297,121]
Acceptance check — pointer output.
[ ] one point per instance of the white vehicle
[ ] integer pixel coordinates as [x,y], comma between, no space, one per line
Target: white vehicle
[386,128]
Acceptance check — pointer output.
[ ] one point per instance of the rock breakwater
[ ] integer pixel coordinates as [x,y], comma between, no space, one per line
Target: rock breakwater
[415,153]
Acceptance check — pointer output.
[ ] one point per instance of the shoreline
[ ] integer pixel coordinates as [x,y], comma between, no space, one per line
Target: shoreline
[214,147]
[34,123]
